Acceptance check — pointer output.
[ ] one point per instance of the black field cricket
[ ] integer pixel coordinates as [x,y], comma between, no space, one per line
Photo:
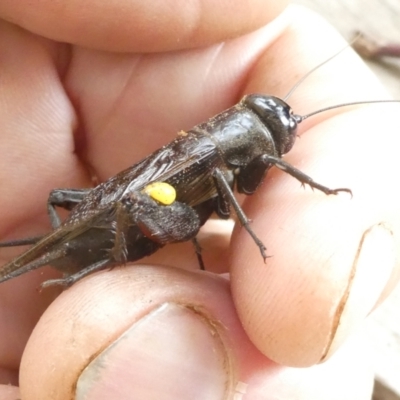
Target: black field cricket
[169,195]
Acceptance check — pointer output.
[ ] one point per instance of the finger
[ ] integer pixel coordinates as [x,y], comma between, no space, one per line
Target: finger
[333,258]
[157,332]
[140,26]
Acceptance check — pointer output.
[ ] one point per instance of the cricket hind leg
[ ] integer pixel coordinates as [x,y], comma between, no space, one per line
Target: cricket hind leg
[175,223]
[69,280]
[13,269]
[65,198]
[21,242]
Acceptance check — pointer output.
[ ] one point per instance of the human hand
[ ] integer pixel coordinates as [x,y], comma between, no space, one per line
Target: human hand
[188,332]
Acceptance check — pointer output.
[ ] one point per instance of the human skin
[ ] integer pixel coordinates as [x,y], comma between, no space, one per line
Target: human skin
[126,81]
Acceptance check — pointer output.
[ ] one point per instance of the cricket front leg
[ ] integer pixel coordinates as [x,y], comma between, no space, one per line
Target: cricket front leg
[247,183]
[300,176]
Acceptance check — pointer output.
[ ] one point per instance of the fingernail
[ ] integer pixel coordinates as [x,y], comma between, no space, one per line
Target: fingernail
[372,267]
[171,353]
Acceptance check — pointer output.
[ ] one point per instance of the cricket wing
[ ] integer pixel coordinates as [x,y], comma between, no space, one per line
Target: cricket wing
[185,163]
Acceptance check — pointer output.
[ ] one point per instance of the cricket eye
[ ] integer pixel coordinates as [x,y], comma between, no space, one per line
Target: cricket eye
[162,192]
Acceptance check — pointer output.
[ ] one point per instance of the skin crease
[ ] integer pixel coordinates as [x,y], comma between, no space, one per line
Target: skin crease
[66,107]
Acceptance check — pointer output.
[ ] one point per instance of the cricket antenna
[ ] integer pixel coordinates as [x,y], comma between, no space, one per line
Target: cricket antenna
[300,118]
[291,91]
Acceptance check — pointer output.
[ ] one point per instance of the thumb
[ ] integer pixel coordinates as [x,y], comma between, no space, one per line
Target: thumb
[156,332]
